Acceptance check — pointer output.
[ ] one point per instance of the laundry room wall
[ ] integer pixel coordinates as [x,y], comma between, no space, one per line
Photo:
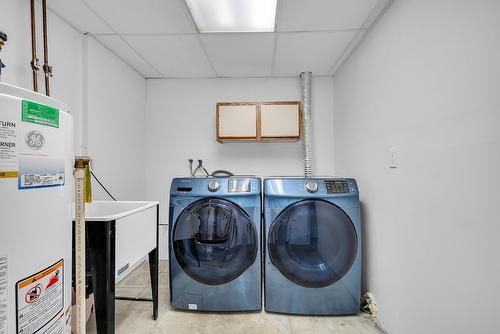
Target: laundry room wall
[181,125]
[114,95]
[425,81]
[115,111]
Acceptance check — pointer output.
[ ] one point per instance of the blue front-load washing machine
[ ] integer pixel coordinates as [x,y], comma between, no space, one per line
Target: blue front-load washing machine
[312,243]
[214,244]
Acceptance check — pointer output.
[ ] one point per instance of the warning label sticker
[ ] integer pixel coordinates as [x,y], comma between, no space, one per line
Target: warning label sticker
[41,180]
[32,151]
[40,114]
[40,151]
[35,172]
[40,300]
[56,326]
[3,294]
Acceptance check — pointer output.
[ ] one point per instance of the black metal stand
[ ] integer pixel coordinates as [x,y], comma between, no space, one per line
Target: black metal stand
[102,249]
[101,243]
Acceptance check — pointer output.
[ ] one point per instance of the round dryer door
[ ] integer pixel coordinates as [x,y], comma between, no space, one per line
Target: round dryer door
[214,241]
[313,243]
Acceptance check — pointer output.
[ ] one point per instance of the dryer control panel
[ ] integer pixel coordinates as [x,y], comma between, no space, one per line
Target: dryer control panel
[336,186]
[321,187]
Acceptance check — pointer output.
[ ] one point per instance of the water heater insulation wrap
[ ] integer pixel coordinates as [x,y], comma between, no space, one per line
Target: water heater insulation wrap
[36,192]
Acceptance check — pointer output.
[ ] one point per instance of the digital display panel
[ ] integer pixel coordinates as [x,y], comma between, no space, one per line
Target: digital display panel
[239,186]
[336,186]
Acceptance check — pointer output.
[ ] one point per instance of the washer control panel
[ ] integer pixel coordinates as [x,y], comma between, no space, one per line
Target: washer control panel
[239,185]
[213,185]
[336,186]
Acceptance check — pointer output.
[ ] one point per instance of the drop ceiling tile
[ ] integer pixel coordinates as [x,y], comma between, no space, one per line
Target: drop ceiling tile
[80,16]
[125,52]
[176,56]
[240,54]
[145,16]
[309,51]
[300,15]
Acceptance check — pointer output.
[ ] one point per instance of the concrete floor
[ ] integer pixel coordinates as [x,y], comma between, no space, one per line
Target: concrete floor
[136,317]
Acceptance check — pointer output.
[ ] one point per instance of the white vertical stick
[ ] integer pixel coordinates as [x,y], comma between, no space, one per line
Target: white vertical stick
[80,249]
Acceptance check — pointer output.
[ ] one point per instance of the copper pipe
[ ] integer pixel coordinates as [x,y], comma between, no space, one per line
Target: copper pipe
[47,69]
[34,60]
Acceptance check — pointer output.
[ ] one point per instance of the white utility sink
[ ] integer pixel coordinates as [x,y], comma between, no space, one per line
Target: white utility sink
[136,230]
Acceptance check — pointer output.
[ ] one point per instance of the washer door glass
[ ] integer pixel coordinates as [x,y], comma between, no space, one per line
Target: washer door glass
[313,243]
[214,241]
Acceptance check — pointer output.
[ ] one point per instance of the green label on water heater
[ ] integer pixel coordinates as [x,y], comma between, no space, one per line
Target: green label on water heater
[40,114]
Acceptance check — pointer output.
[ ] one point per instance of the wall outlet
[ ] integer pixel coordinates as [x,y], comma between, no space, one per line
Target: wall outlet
[393,158]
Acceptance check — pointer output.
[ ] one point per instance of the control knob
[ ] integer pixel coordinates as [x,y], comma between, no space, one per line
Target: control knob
[311,186]
[213,185]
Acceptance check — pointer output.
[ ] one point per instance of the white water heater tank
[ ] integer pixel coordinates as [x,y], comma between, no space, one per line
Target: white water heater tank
[36,192]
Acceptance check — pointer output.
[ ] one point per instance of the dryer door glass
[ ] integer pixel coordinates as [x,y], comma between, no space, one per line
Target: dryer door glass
[313,243]
[214,241]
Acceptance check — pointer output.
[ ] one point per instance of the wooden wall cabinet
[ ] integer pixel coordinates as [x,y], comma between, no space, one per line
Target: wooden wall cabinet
[258,121]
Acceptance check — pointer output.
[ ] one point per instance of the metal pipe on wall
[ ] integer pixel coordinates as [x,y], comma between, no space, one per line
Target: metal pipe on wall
[47,69]
[35,67]
[305,85]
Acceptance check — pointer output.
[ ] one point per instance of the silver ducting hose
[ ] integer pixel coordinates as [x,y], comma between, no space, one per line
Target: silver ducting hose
[305,85]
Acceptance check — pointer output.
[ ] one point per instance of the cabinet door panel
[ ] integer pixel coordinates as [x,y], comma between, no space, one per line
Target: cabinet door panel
[237,121]
[280,121]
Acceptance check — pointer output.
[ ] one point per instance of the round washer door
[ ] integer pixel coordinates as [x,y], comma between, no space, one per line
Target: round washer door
[313,243]
[214,241]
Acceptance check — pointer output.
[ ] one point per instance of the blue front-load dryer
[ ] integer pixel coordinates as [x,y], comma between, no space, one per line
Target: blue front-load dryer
[312,240]
[214,244]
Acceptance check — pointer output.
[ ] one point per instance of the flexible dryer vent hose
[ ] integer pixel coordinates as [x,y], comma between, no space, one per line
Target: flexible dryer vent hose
[305,85]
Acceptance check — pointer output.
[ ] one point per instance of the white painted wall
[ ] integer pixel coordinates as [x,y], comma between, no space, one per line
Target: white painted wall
[116,125]
[181,125]
[426,81]
[65,55]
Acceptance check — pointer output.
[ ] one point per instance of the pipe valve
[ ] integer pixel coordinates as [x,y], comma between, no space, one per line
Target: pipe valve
[47,69]
[3,39]
[35,65]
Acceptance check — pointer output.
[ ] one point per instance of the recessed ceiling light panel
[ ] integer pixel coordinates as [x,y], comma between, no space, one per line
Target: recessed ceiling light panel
[233,15]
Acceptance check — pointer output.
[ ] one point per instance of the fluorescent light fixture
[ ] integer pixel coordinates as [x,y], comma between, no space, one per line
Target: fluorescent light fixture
[233,15]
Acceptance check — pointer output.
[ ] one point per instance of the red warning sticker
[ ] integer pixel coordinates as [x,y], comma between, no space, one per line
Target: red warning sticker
[39,301]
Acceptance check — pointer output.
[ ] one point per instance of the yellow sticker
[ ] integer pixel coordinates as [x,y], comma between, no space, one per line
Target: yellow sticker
[8,175]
